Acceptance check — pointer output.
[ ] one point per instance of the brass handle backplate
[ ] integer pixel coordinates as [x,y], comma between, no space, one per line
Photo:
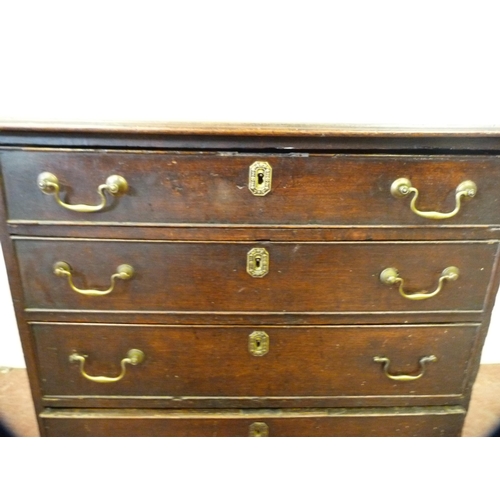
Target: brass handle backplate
[405,378]
[260,177]
[390,276]
[134,357]
[123,272]
[403,187]
[115,185]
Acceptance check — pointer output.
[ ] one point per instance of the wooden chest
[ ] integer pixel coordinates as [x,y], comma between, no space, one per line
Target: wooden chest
[250,281]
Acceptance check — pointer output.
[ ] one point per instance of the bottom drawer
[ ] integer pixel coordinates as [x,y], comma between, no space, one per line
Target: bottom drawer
[435,421]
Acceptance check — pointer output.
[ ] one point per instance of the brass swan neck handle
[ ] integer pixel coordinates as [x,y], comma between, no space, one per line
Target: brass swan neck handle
[123,272]
[115,185]
[390,276]
[403,187]
[405,378]
[134,357]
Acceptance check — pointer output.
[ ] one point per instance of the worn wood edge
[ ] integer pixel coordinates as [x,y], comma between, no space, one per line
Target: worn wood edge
[272,326]
[422,142]
[365,399]
[34,310]
[256,233]
[285,226]
[252,413]
[252,320]
[245,129]
[489,241]
[253,402]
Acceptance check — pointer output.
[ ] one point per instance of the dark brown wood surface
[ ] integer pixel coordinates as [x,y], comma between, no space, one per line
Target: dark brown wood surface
[216,362]
[192,220]
[419,422]
[210,277]
[307,190]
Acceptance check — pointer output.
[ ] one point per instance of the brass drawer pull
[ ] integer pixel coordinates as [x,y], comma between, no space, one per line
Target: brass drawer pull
[123,272]
[390,276]
[402,187]
[405,378]
[258,429]
[115,185]
[134,357]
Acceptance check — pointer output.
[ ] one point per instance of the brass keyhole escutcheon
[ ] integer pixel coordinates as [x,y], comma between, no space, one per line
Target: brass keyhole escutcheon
[258,429]
[258,262]
[258,343]
[260,178]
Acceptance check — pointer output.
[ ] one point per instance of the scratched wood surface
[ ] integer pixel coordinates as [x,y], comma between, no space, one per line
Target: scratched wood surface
[186,225]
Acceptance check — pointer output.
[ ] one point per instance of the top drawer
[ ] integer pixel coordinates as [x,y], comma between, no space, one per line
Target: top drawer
[213,188]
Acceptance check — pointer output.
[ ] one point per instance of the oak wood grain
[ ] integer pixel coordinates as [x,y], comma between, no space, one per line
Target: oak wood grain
[186,225]
[210,277]
[308,191]
[216,362]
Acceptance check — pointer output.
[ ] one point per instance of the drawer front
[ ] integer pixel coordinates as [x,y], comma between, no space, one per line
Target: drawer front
[171,189]
[210,277]
[430,422]
[218,362]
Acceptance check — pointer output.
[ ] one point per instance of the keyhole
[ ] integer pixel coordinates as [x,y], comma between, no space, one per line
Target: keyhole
[257,262]
[260,178]
[257,343]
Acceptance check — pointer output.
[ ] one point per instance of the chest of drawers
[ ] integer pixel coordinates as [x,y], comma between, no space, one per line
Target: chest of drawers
[250,281]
